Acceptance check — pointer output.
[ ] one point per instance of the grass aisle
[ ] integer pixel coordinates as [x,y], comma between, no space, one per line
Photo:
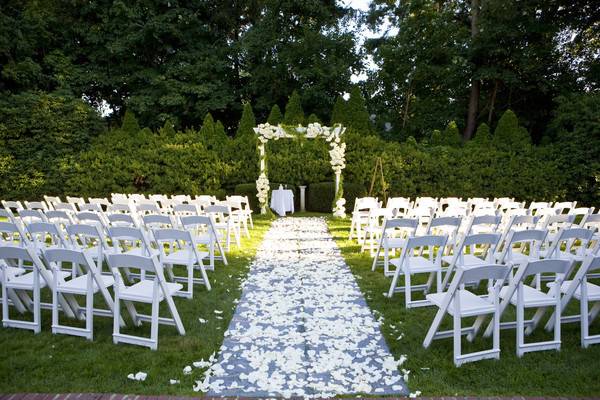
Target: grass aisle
[58,363]
[571,372]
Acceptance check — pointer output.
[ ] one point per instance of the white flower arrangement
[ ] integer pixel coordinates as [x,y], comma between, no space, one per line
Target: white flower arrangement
[337,153]
[262,188]
[339,211]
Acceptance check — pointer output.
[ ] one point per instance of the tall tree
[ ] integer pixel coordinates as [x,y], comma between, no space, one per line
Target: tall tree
[475,84]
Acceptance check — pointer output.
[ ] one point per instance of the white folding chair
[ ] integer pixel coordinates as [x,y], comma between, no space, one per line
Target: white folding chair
[461,303]
[92,218]
[12,206]
[90,239]
[181,251]
[522,247]
[36,205]
[523,296]
[100,201]
[482,224]
[87,284]
[516,223]
[15,287]
[536,206]
[60,218]
[131,241]
[158,221]
[585,292]
[246,211]
[393,237]
[226,223]
[31,216]
[564,206]
[360,215]
[45,235]
[398,206]
[411,262]
[146,291]
[75,201]
[125,220]
[374,228]
[205,233]
[238,214]
[472,251]
[7,215]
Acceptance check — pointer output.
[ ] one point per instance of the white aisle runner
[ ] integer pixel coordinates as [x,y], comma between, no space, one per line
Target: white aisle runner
[302,326]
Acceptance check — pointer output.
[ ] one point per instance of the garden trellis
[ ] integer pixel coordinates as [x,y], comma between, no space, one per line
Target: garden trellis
[337,152]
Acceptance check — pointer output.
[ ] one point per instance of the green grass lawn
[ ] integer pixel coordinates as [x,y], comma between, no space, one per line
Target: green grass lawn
[58,363]
[571,372]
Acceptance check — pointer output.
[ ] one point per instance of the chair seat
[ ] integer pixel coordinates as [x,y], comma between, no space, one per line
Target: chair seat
[25,282]
[469,260]
[79,285]
[593,291]
[138,251]
[531,297]
[517,258]
[417,264]
[93,251]
[395,243]
[11,272]
[142,291]
[470,304]
[562,255]
[182,257]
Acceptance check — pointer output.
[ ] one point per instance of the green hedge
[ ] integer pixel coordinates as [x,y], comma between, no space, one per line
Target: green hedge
[320,196]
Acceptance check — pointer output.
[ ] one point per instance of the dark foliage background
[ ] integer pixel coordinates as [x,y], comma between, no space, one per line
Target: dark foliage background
[161,96]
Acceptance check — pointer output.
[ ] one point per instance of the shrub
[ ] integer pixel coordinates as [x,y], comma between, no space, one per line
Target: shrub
[320,196]
[294,114]
[275,116]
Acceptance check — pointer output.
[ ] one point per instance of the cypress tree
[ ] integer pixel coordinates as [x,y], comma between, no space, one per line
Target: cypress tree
[357,116]
[130,124]
[313,118]
[509,134]
[451,135]
[275,116]
[247,122]
[338,115]
[482,136]
[294,114]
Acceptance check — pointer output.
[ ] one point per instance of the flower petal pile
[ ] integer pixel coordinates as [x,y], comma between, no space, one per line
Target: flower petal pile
[302,327]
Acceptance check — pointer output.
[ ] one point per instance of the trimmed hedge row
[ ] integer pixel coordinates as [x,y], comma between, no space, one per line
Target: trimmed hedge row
[320,196]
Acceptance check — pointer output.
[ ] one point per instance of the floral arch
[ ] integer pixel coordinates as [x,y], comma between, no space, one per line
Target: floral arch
[337,152]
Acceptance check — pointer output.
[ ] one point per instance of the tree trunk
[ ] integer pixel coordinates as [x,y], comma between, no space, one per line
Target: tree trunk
[493,102]
[475,84]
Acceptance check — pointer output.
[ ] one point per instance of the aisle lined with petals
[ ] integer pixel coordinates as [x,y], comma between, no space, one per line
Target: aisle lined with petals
[302,326]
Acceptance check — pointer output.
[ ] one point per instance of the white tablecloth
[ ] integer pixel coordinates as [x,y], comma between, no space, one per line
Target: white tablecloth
[282,201]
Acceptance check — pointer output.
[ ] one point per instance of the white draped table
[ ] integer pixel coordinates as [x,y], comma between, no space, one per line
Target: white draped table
[282,201]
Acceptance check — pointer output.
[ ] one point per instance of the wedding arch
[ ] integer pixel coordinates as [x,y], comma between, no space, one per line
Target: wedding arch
[337,153]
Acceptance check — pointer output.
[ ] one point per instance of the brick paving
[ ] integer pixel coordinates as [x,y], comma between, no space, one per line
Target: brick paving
[100,396]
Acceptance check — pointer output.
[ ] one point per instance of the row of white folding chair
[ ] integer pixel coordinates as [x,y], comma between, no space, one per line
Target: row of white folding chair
[125,239]
[226,221]
[408,264]
[481,249]
[87,284]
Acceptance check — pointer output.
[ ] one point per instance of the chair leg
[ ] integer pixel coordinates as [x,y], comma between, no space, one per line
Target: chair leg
[437,320]
[154,324]
[54,307]
[520,328]
[37,310]
[584,309]
[457,338]
[117,317]
[89,314]
[407,290]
